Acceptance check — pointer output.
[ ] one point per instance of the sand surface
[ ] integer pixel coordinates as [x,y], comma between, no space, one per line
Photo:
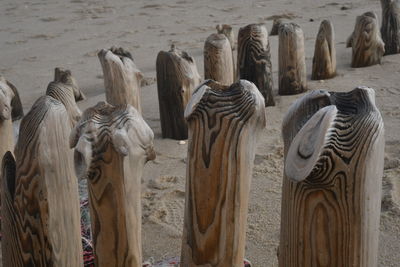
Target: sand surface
[37,36]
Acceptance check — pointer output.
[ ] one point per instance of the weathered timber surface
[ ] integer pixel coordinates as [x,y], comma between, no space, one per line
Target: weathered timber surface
[112,145]
[324,61]
[275,27]
[227,30]
[331,194]
[254,59]
[224,122]
[390,29]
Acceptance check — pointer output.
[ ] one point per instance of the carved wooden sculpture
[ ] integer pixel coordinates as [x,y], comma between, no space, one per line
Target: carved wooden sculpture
[292,65]
[223,125]
[254,59]
[112,144]
[40,203]
[218,61]
[324,61]
[390,29]
[331,195]
[121,77]
[177,76]
[366,42]
[275,27]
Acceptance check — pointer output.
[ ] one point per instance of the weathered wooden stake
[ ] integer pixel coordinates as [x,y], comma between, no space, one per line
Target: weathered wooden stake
[218,62]
[112,145]
[331,194]
[292,64]
[227,30]
[177,76]
[275,27]
[366,42]
[390,29]
[40,202]
[254,59]
[223,126]
[122,78]
[324,61]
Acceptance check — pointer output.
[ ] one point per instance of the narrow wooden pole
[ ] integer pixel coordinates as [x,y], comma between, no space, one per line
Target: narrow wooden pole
[112,145]
[331,194]
[40,212]
[390,29]
[366,42]
[121,77]
[324,61]
[254,59]
[218,62]
[275,27]
[223,126]
[292,64]
[177,76]
[227,30]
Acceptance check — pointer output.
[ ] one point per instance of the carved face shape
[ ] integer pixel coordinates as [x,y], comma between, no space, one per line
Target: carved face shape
[6,95]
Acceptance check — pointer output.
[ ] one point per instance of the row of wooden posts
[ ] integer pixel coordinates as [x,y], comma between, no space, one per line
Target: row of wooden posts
[333,151]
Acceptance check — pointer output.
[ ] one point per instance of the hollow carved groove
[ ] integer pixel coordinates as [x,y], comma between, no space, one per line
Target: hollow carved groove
[390,29]
[324,61]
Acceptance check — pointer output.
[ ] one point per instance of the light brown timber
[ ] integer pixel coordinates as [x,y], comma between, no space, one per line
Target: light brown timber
[390,29]
[324,61]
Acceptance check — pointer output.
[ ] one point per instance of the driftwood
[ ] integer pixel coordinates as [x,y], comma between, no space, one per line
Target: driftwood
[275,27]
[177,76]
[122,79]
[218,61]
[292,65]
[112,145]
[223,126]
[366,42]
[254,59]
[331,194]
[390,29]
[324,61]
[40,202]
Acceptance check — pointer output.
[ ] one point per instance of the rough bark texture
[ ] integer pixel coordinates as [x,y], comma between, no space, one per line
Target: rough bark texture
[40,209]
[254,59]
[324,61]
[218,62]
[292,64]
[122,78]
[390,29]
[177,77]
[331,194]
[223,126]
[112,145]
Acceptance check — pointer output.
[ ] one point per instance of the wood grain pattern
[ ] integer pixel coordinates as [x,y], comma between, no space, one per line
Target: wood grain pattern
[224,122]
[254,59]
[292,65]
[324,61]
[122,78]
[112,145]
[331,194]
[227,30]
[390,29]
[218,61]
[40,212]
[177,77]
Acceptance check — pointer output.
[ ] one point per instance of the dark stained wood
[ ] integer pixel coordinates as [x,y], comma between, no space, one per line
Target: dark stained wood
[275,27]
[324,61]
[390,29]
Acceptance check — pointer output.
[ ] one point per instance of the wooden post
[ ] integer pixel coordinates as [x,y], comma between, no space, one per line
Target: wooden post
[40,209]
[177,76]
[324,61]
[218,62]
[390,29]
[112,145]
[223,126]
[366,42]
[64,76]
[254,59]
[275,27]
[331,194]
[227,30]
[292,64]
[122,78]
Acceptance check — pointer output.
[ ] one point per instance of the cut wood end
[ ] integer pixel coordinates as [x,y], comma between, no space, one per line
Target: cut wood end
[197,95]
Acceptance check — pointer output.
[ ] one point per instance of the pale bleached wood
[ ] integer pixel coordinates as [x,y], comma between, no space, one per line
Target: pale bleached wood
[112,145]
[218,62]
[254,59]
[331,194]
[40,212]
[292,64]
[227,30]
[366,42]
[324,61]
[122,78]
[390,29]
[223,126]
[177,76]
[65,76]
